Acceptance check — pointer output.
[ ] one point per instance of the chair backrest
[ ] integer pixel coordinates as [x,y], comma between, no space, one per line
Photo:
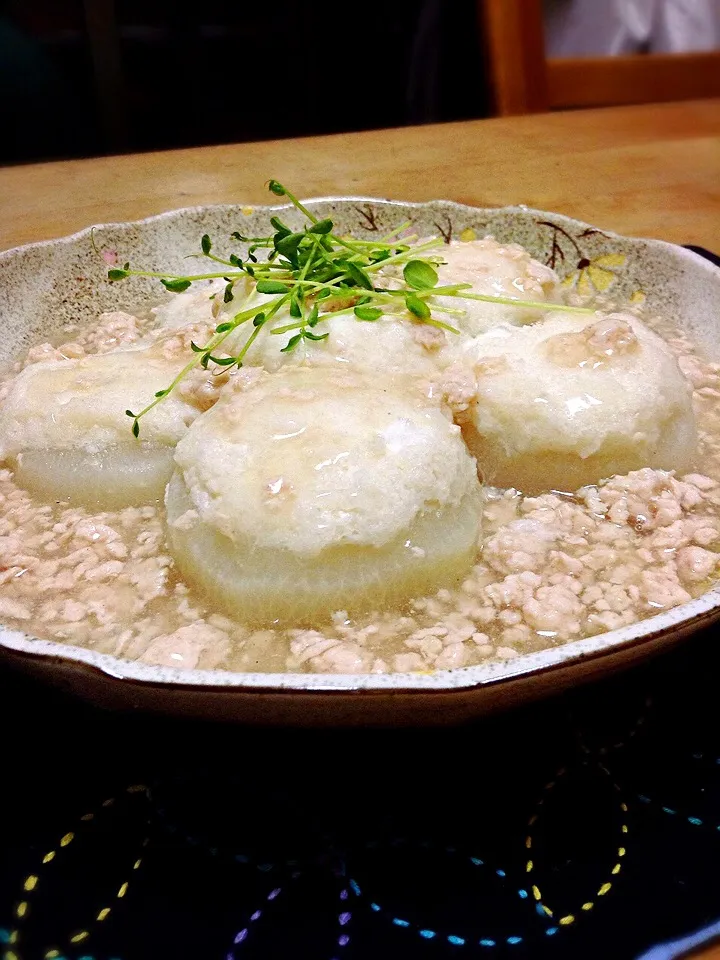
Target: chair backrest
[524,80]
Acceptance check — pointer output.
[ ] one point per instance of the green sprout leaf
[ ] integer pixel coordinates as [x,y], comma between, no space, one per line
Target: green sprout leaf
[292,343]
[221,361]
[272,286]
[368,313]
[177,285]
[228,295]
[420,275]
[308,335]
[206,244]
[277,188]
[321,227]
[117,274]
[288,246]
[417,307]
[358,275]
[259,320]
[282,229]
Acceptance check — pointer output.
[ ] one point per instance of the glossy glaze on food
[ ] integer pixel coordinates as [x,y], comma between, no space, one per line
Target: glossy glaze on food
[360,541]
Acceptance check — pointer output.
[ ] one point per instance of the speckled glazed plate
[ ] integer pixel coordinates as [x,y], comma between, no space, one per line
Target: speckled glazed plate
[45,285]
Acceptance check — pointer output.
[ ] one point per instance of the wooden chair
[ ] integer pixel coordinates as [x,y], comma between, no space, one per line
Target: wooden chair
[524,80]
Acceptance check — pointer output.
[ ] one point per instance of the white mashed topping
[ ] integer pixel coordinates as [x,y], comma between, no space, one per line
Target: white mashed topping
[396,345]
[307,459]
[64,427]
[573,399]
[194,305]
[81,404]
[498,270]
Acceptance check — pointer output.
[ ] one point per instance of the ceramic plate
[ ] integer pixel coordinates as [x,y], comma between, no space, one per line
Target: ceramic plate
[45,285]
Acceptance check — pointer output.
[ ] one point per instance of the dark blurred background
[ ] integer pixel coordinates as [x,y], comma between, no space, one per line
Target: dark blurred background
[87,77]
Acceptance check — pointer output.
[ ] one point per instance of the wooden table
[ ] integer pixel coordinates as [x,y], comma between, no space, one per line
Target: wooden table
[648,170]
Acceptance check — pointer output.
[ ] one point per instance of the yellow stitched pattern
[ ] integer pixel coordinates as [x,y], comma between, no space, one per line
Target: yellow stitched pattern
[32,882]
[620,852]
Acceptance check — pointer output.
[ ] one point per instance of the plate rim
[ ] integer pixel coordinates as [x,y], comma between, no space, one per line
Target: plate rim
[690,616]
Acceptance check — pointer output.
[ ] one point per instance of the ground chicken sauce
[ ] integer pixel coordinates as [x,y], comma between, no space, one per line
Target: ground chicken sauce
[550,568]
